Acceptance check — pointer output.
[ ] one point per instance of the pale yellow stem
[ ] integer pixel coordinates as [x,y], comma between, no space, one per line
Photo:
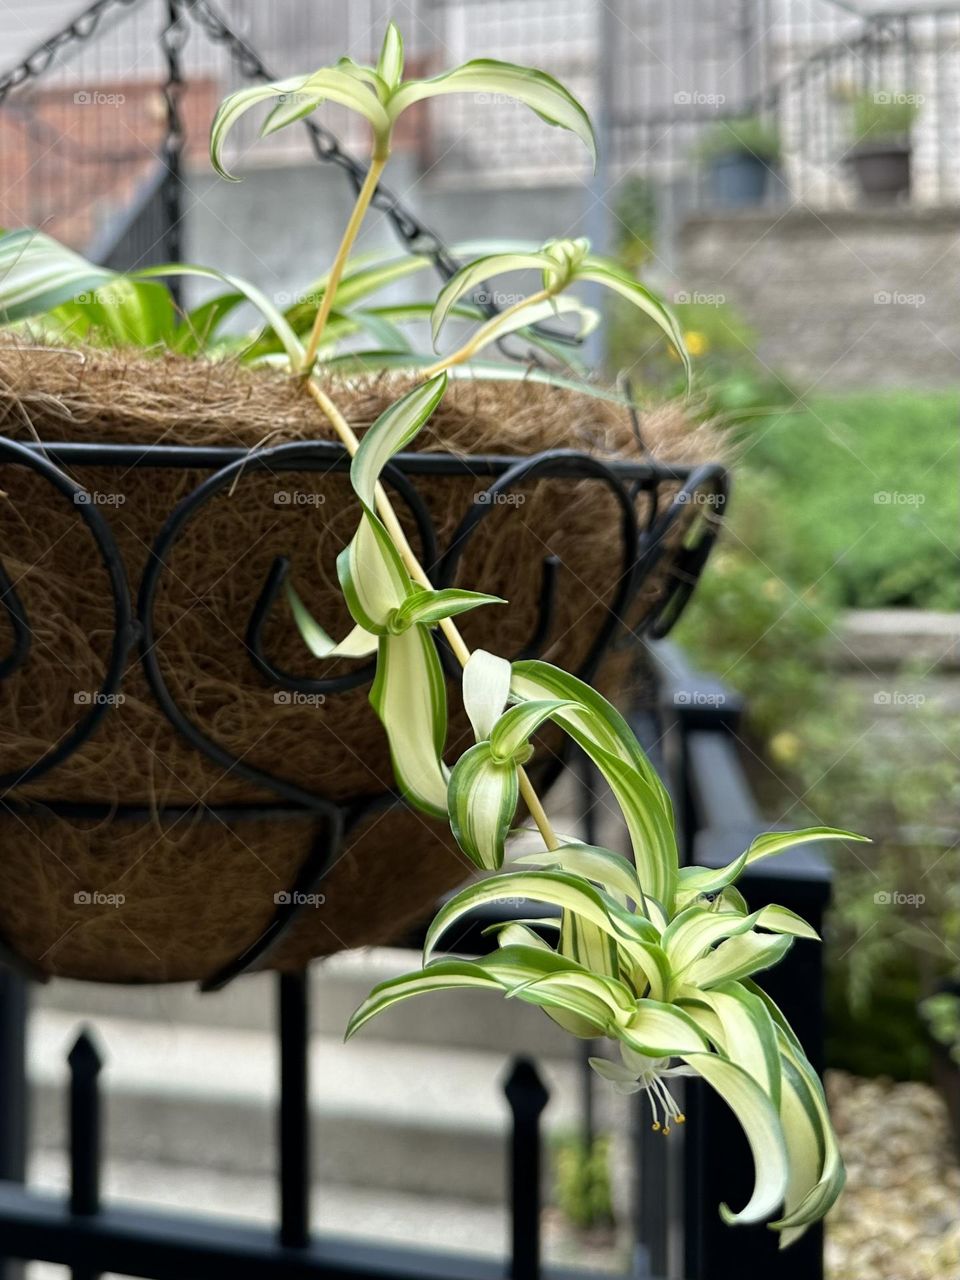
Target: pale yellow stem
[377,165]
[418,573]
[481,337]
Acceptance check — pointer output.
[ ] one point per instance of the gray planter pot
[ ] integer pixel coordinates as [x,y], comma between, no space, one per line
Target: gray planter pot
[882,170]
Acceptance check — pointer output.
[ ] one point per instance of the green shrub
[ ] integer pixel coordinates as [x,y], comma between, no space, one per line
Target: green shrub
[883,116]
[750,135]
[582,1182]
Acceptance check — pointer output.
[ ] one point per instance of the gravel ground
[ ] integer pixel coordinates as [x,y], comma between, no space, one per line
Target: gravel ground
[899,1218]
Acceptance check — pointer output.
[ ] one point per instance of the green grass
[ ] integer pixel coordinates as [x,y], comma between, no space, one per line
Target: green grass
[860,498]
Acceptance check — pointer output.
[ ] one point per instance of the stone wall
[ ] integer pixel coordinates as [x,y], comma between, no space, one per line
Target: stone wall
[842,299]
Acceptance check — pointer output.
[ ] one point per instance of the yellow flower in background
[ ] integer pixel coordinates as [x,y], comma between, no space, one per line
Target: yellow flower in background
[785,747]
[696,342]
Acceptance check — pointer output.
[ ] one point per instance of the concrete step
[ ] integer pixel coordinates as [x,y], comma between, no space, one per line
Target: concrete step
[388,1116]
[385,1217]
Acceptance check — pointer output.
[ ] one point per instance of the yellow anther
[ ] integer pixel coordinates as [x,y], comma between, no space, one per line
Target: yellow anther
[655,1126]
[680,1118]
[666,1131]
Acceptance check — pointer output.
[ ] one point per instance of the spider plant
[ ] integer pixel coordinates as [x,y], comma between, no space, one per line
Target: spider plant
[658,959]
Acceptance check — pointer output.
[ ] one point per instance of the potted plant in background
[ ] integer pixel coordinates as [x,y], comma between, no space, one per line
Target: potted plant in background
[880,156]
[740,156]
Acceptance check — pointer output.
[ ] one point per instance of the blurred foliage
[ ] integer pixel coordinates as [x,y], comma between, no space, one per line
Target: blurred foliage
[750,135]
[941,1013]
[635,218]
[732,381]
[583,1189]
[884,117]
[806,536]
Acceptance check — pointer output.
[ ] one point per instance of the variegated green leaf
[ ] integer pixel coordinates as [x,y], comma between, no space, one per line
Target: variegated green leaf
[390,62]
[747,1034]
[373,578]
[410,697]
[611,871]
[734,959]
[660,1030]
[611,276]
[760,1122]
[473,274]
[482,799]
[392,431]
[537,90]
[300,94]
[357,644]
[697,880]
[424,608]
[486,686]
[443,975]
[510,735]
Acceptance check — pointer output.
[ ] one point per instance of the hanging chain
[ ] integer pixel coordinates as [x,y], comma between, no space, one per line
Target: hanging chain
[173,37]
[79,31]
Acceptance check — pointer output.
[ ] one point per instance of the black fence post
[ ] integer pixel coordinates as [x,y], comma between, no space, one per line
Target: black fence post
[527,1097]
[85,1135]
[14,1003]
[294,1114]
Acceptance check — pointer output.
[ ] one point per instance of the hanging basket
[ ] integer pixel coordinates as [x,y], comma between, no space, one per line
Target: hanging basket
[186,793]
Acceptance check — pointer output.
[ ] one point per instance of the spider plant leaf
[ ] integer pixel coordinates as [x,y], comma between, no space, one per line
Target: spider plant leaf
[695,880]
[300,95]
[511,733]
[690,934]
[37,274]
[544,977]
[807,1146]
[596,722]
[268,309]
[473,274]
[390,62]
[536,89]
[200,326]
[612,872]
[358,643]
[424,608]
[808,1203]
[332,84]
[736,958]
[782,920]
[760,1121]
[570,893]
[588,945]
[519,321]
[394,429]
[611,276]
[660,1030]
[442,975]
[747,1034]
[486,687]
[373,578]
[410,697]
[482,799]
